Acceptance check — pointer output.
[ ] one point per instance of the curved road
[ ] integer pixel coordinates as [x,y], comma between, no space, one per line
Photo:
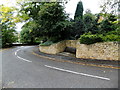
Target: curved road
[22,69]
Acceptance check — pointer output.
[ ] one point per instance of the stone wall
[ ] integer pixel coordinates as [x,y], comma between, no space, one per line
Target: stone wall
[104,51]
[57,47]
[54,48]
[71,43]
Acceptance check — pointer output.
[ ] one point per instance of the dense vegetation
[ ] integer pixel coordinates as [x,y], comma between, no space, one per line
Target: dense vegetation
[7,26]
[47,23]
[101,27]
[106,30]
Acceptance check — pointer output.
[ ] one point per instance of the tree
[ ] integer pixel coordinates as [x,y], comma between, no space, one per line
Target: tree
[28,34]
[29,11]
[29,14]
[7,25]
[53,21]
[50,20]
[79,10]
[90,22]
[78,25]
[110,12]
[78,28]
[25,35]
[110,6]
[88,19]
[109,24]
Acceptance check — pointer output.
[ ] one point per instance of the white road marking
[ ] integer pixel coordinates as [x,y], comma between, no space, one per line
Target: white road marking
[77,73]
[17,51]
[21,57]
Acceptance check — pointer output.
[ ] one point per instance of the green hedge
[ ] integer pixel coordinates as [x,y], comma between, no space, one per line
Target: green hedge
[47,43]
[90,39]
[111,37]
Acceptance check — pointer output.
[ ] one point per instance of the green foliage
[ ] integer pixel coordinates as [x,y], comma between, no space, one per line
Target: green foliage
[26,35]
[115,32]
[90,39]
[61,31]
[31,29]
[38,40]
[47,43]
[109,24]
[90,23]
[112,17]
[105,26]
[29,10]
[49,22]
[111,37]
[78,28]
[79,10]
[53,21]
[46,20]
[0,42]
[8,35]
[7,26]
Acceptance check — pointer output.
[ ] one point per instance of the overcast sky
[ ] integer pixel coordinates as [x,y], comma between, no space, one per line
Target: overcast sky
[93,5]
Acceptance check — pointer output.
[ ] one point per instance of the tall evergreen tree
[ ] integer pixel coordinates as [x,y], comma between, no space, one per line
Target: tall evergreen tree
[79,10]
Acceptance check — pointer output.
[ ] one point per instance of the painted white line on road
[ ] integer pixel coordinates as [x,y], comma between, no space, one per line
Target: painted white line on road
[17,51]
[77,73]
[21,57]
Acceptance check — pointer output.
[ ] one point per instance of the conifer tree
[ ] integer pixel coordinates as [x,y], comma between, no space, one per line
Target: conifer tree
[79,11]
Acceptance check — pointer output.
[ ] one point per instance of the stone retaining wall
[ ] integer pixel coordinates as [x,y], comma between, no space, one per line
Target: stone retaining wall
[71,43]
[54,48]
[104,51]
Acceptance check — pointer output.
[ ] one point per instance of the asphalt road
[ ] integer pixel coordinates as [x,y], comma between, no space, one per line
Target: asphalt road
[22,69]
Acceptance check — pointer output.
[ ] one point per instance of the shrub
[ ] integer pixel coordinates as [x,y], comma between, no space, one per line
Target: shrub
[90,39]
[115,32]
[47,43]
[111,37]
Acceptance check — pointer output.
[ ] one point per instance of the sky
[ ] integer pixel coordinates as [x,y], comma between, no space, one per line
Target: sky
[93,5]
